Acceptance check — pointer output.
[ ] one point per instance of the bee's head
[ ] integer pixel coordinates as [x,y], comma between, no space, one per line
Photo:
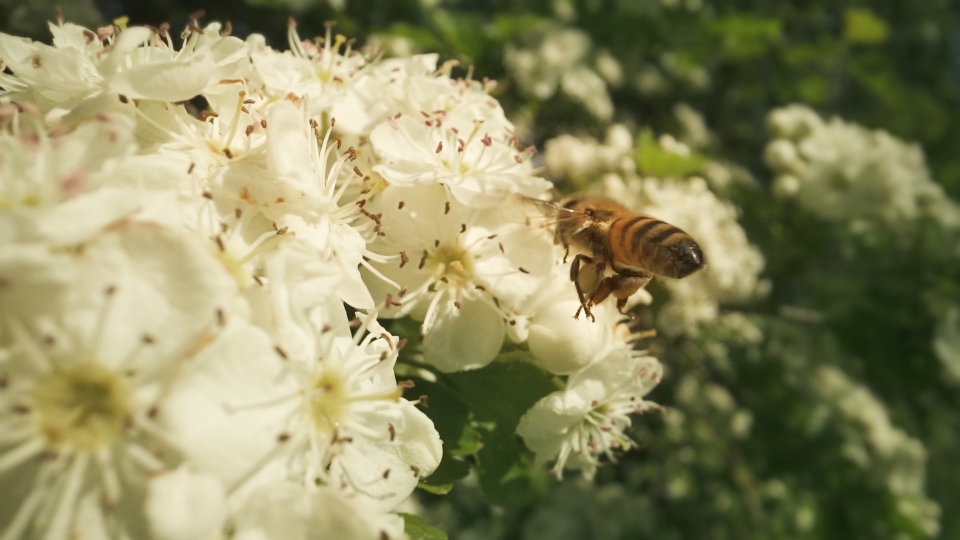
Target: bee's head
[592,207]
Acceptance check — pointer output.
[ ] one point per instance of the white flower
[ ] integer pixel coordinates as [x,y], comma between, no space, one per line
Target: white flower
[319,73]
[577,426]
[694,130]
[560,62]
[842,171]
[562,344]
[299,193]
[293,512]
[479,171]
[609,68]
[399,85]
[584,158]
[872,442]
[319,407]
[233,131]
[136,64]
[81,382]
[584,85]
[462,271]
[52,186]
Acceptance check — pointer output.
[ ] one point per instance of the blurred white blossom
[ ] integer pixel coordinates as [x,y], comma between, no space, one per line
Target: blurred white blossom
[561,63]
[946,343]
[874,442]
[844,172]
[289,510]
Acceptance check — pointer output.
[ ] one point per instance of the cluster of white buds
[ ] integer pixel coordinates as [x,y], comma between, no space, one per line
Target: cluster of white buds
[176,354]
[841,171]
[560,64]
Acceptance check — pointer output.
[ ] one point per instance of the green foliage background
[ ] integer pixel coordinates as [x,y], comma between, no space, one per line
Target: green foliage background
[864,304]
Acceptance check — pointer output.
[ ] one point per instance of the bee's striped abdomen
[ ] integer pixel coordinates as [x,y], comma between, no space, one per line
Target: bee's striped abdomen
[655,246]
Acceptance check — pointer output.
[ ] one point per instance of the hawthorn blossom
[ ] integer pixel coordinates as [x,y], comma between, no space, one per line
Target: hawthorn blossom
[577,426]
[82,381]
[560,63]
[298,191]
[583,158]
[287,510]
[843,171]
[176,358]
[479,171]
[396,85]
[183,505]
[320,71]
[460,271]
[319,407]
[53,184]
[134,63]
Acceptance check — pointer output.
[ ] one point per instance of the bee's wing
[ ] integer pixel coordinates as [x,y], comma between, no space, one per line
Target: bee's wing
[536,213]
[550,211]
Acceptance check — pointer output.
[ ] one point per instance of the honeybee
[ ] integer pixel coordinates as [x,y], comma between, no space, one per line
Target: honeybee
[634,246]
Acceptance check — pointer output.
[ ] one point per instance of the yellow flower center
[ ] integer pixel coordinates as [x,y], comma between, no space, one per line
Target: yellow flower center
[84,406]
[328,400]
[452,264]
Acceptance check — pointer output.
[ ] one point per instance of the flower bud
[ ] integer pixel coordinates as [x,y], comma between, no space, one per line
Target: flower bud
[563,344]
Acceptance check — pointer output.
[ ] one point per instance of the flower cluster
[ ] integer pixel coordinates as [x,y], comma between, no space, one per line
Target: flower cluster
[872,442]
[845,172]
[195,304]
[561,62]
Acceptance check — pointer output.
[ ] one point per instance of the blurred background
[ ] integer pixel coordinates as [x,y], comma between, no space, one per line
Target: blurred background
[812,378]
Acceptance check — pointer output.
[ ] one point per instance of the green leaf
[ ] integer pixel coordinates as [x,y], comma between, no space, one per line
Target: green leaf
[511,27]
[423,39]
[860,25]
[417,529]
[498,395]
[451,417]
[409,330]
[449,414]
[654,160]
[449,471]
[463,33]
[746,36]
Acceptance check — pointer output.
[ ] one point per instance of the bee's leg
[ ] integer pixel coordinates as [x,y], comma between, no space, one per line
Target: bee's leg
[566,252]
[575,278]
[622,286]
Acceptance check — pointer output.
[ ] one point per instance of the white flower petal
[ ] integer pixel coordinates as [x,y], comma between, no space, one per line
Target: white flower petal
[468,337]
[289,140]
[213,411]
[291,512]
[172,81]
[182,505]
[387,471]
[127,41]
[563,344]
[80,218]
